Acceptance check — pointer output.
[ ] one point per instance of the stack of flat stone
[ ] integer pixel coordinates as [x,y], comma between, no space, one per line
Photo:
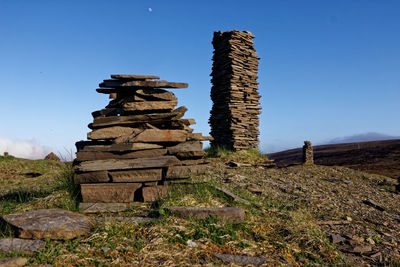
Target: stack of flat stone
[139,143]
[234,116]
[308,153]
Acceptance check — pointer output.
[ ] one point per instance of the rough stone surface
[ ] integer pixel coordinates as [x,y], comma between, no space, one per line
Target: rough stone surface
[13,262]
[52,156]
[102,207]
[18,245]
[178,172]
[241,260]
[153,193]
[143,175]
[109,192]
[308,153]
[227,214]
[234,115]
[134,140]
[92,177]
[49,223]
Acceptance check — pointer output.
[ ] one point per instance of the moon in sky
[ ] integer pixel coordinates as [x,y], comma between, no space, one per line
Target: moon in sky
[150,9]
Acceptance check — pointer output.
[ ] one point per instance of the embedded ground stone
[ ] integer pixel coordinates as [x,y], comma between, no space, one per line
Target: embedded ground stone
[17,245]
[13,262]
[49,223]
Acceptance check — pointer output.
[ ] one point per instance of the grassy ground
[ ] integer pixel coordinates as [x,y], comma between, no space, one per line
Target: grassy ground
[281,221]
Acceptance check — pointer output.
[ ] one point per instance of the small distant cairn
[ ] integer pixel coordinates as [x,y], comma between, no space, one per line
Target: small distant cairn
[308,154]
[139,143]
[234,115]
[6,154]
[52,156]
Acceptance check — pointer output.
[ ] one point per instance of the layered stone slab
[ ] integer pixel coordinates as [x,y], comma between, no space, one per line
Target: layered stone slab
[111,132]
[138,119]
[157,94]
[92,177]
[153,193]
[113,164]
[150,105]
[48,223]
[186,147]
[134,77]
[134,140]
[85,156]
[182,172]
[142,84]
[109,192]
[135,176]
[157,136]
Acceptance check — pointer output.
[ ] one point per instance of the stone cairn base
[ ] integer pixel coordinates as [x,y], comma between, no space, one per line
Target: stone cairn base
[138,143]
[308,153]
[234,115]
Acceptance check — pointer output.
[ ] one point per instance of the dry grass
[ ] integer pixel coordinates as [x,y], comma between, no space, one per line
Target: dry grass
[280,225]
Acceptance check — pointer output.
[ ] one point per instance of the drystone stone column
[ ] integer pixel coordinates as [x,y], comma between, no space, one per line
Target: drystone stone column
[308,153]
[234,115]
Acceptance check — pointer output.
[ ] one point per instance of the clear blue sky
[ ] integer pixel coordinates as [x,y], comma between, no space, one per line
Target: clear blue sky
[328,69]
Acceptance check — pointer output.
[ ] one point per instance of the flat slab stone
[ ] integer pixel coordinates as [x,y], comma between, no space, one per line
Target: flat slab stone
[134,77]
[13,262]
[18,245]
[135,176]
[150,105]
[109,192]
[49,223]
[102,207]
[179,172]
[123,164]
[153,193]
[92,177]
[241,260]
[227,213]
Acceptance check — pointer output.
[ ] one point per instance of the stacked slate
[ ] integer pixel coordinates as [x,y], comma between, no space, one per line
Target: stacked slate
[308,153]
[234,115]
[138,143]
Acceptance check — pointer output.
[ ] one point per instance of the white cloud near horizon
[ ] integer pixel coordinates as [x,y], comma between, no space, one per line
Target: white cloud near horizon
[28,149]
[364,137]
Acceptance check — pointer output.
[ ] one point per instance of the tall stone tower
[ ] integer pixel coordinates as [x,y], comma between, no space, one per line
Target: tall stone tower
[234,115]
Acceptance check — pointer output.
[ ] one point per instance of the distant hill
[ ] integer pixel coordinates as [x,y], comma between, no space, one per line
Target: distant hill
[380,157]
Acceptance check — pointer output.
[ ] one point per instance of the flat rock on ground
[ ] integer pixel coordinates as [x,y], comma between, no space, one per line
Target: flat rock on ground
[13,262]
[17,245]
[49,223]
